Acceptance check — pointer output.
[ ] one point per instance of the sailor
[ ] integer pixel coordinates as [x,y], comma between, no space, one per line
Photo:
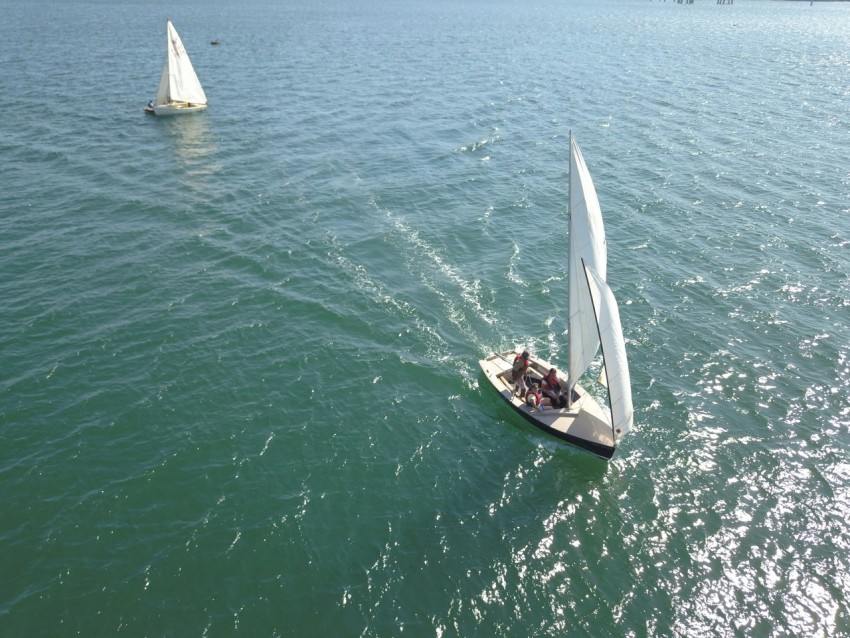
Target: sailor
[552,389]
[535,398]
[518,370]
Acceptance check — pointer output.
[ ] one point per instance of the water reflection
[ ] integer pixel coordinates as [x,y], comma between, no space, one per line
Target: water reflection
[196,149]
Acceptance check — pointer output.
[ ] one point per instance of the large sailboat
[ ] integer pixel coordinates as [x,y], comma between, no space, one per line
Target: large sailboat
[593,321]
[180,90]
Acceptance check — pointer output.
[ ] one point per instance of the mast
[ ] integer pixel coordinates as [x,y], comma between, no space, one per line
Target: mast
[570,381]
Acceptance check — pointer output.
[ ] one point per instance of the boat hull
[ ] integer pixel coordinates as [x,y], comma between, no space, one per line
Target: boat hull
[584,424]
[178,108]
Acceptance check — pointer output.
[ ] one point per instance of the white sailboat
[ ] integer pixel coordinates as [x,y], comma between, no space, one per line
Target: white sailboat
[180,90]
[593,321]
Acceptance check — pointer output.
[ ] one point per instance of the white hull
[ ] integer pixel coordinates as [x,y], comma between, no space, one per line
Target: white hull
[584,424]
[181,108]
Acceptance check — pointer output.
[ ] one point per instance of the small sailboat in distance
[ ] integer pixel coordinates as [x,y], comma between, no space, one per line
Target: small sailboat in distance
[180,90]
[593,320]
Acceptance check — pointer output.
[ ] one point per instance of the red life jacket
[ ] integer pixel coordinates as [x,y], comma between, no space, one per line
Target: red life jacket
[534,393]
[521,370]
[551,381]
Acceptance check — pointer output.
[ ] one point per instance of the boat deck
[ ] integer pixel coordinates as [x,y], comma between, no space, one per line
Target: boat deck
[585,423]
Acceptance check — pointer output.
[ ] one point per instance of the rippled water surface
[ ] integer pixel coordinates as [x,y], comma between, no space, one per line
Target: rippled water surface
[239,391]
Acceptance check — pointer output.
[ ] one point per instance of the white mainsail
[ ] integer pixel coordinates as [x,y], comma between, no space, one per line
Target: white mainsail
[178,82]
[586,243]
[607,316]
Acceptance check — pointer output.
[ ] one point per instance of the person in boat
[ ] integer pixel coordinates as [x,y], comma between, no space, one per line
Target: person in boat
[552,389]
[518,372]
[150,105]
[535,398]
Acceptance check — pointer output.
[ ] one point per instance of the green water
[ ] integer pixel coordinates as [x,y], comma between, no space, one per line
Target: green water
[239,391]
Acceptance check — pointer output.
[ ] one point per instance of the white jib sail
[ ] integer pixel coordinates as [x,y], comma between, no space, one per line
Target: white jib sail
[613,351]
[586,242]
[179,82]
[162,94]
